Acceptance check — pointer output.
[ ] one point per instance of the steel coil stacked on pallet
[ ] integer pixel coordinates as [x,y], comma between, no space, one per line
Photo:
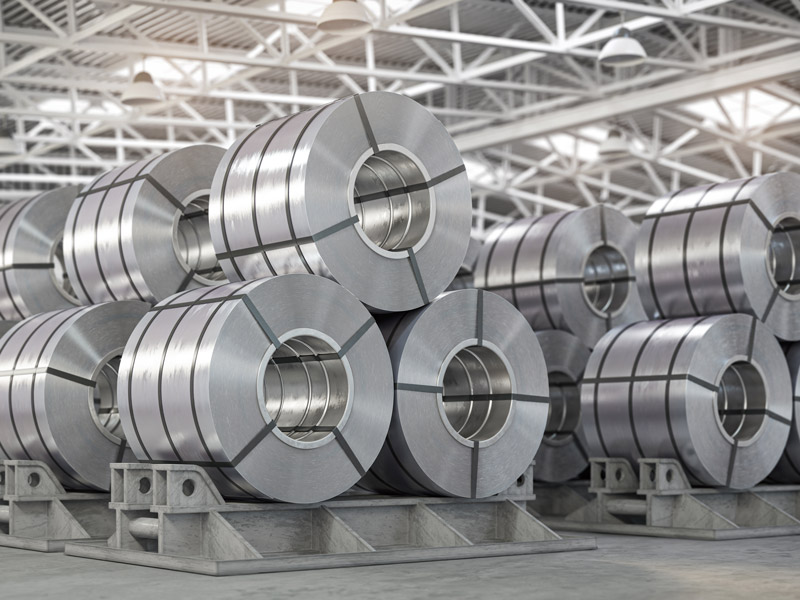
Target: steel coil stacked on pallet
[58,396]
[571,271]
[562,455]
[141,232]
[281,387]
[470,398]
[34,279]
[369,191]
[712,392]
[723,248]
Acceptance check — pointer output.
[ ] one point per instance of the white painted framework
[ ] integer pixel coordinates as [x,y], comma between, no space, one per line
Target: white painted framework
[515,81]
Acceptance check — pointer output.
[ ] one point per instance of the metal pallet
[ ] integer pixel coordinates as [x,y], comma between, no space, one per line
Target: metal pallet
[37,513]
[173,517]
[661,502]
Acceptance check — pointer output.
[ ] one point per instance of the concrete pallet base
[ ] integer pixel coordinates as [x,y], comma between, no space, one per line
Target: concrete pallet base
[38,514]
[173,517]
[660,502]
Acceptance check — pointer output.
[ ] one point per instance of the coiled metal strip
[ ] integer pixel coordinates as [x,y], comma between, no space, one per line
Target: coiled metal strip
[710,392]
[369,191]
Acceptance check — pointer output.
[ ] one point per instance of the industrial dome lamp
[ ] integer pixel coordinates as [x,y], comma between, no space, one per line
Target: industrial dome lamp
[142,90]
[614,145]
[344,17]
[622,50]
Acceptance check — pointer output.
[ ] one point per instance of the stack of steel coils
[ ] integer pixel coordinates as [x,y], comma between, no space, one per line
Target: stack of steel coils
[571,275]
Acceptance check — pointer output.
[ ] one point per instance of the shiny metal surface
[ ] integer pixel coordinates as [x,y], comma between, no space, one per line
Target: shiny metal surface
[140,232]
[788,467]
[58,401]
[34,278]
[562,455]
[712,392]
[369,191]
[571,271]
[281,387]
[470,402]
[729,247]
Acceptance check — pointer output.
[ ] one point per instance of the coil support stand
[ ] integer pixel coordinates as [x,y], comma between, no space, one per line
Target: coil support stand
[173,517]
[660,501]
[37,513]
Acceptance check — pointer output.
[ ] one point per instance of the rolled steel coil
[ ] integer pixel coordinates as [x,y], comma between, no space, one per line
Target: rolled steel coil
[58,400]
[788,467]
[569,270]
[280,387]
[562,455]
[369,191]
[5,327]
[729,247]
[470,398]
[32,260]
[141,232]
[712,392]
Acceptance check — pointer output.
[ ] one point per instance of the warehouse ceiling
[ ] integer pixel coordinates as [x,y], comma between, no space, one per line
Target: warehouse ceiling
[516,82]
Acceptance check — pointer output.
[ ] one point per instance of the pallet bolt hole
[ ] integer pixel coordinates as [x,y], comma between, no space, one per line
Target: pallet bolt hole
[618,474]
[669,475]
[603,474]
[34,480]
[188,487]
[521,480]
[144,485]
[2,477]
[652,474]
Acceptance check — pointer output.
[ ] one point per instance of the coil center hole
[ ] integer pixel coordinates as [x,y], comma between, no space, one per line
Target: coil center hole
[192,241]
[105,409]
[784,248]
[476,396]
[741,401]
[306,389]
[392,206]
[606,279]
[565,406]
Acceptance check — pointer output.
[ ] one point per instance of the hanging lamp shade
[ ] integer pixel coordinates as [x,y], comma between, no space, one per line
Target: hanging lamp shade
[344,17]
[622,50]
[615,144]
[142,90]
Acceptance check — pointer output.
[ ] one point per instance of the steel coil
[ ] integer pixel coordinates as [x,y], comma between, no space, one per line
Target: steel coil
[713,393]
[281,387]
[141,232]
[570,270]
[788,467]
[32,261]
[369,191]
[730,247]
[470,398]
[58,400]
[562,455]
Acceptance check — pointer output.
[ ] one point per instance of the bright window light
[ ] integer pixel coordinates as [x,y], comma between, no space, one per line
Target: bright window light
[763,108]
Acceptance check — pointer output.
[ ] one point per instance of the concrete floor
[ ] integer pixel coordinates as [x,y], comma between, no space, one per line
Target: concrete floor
[622,567]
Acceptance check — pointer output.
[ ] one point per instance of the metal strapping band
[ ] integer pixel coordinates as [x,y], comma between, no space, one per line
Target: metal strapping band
[412,258]
[349,451]
[355,337]
[410,189]
[261,322]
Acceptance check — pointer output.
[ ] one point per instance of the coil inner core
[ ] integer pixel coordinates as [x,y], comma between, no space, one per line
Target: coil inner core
[192,241]
[306,389]
[565,406]
[392,216]
[103,403]
[741,401]
[784,249]
[474,376]
[606,279]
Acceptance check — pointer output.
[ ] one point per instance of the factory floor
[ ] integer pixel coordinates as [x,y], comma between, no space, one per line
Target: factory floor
[622,567]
